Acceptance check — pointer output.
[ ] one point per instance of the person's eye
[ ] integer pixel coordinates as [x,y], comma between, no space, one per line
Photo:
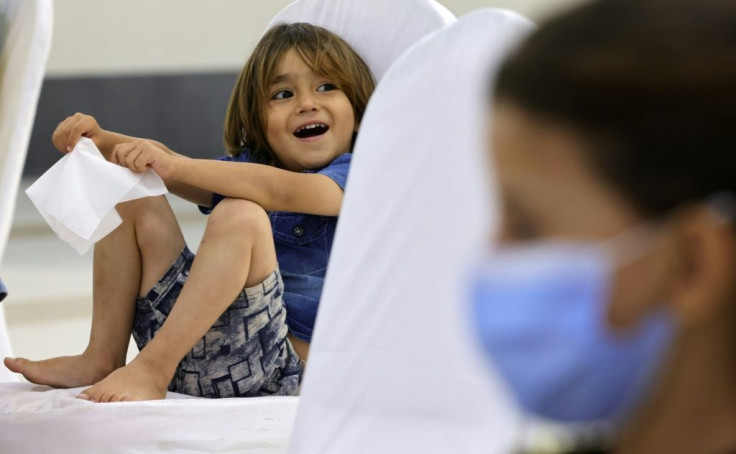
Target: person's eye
[282,94]
[520,231]
[327,87]
[517,225]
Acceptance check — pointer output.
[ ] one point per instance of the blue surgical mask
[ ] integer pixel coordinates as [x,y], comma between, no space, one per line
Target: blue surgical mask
[540,313]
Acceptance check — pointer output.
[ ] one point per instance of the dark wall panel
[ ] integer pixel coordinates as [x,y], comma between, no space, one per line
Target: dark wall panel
[186,112]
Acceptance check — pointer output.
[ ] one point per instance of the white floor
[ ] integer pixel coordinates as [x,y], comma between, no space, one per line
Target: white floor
[49,307]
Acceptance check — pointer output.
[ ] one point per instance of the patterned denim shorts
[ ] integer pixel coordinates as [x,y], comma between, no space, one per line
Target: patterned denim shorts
[244,354]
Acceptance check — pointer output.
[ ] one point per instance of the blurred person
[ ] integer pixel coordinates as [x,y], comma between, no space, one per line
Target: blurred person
[610,296]
[216,325]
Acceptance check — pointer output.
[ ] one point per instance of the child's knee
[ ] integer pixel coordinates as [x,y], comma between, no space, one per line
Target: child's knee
[239,216]
[134,208]
[152,216]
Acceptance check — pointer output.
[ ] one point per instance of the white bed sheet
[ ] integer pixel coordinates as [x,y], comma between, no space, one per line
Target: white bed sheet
[40,419]
[393,367]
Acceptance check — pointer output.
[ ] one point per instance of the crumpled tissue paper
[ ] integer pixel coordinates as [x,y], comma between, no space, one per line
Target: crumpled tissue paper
[78,194]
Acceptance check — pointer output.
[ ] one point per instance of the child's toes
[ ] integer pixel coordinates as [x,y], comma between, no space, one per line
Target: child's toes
[85,394]
[93,394]
[15,364]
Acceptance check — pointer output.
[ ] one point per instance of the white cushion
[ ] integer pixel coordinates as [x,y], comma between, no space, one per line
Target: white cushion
[393,367]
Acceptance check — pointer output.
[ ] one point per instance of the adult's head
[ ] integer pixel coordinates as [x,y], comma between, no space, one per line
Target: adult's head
[621,113]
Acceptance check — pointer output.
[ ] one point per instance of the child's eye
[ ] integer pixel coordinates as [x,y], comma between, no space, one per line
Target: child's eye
[282,94]
[327,87]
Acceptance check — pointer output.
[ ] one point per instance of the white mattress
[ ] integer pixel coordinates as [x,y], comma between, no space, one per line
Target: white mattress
[40,419]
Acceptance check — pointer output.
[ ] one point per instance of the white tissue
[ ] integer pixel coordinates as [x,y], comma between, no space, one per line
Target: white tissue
[78,194]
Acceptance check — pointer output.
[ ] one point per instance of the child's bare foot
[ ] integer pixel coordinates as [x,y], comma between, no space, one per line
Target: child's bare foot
[136,381]
[60,372]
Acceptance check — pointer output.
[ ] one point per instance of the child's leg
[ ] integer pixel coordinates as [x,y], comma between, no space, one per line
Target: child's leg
[237,251]
[126,262]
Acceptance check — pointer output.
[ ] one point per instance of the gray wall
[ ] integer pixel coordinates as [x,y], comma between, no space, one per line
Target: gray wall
[164,69]
[184,111]
[123,36]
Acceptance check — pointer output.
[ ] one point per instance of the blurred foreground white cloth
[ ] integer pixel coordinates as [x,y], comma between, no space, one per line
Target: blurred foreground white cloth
[25,41]
[78,194]
[393,367]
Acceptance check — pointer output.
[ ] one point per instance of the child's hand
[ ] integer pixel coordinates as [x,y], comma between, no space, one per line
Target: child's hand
[140,155]
[69,131]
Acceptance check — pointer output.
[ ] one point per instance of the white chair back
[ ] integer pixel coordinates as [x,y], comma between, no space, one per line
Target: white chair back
[392,367]
[379,30]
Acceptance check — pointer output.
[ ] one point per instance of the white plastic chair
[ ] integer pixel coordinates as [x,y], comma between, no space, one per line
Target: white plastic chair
[392,366]
[25,40]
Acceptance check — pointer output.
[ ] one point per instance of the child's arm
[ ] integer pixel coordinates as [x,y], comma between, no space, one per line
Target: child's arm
[272,188]
[69,131]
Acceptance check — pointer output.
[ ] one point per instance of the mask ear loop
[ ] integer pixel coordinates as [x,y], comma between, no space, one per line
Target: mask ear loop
[634,243]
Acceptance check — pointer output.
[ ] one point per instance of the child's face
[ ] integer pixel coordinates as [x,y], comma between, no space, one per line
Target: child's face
[309,121]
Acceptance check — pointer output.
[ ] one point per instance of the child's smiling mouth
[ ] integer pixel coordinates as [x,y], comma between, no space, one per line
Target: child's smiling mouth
[311,131]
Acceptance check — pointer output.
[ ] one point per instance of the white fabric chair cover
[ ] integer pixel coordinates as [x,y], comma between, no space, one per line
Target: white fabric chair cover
[379,30]
[25,40]
[392,366]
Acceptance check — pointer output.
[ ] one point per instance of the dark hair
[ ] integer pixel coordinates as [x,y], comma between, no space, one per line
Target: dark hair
[323,51]
[650,85]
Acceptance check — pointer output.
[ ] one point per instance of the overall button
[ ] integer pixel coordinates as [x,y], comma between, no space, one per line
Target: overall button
[298,231]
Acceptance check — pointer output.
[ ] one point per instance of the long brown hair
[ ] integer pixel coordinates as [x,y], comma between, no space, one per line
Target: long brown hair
[323,51]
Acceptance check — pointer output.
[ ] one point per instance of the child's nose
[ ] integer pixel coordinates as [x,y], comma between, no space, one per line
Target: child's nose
[307,102]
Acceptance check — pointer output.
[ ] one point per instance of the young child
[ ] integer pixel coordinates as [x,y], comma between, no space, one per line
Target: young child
[216,325]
